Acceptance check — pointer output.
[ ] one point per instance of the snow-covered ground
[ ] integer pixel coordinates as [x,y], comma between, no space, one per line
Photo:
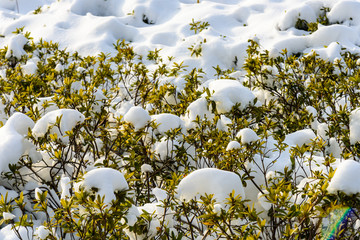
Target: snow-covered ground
[92,26]
[174,26]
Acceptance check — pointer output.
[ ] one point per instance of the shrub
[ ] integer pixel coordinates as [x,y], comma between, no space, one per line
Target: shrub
[285,180]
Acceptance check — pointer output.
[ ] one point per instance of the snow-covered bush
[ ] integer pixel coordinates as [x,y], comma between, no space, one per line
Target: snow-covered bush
[108,147]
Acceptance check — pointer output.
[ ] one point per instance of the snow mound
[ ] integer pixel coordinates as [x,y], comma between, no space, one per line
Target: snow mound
[165,147]
[69,119]
[233,145]
[210,181]
[167,122]
[106,181]
[152,11]
[326,35]
[98,7]
[8,216]
[300,137]
[290,17]
[65,187]
[346,178]
[24,233]
[247,135]
[42,232]
[138,117]
[30,67]
[12,142]
[198,108]
[16,45]
[346,12]
[228,93]
[355,126]
[20,123]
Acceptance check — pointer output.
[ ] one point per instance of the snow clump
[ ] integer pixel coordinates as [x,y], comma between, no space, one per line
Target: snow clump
[198,108]
[300,137]
[69,119]
[346,12]
[138,117]
[65,187]
[247,135]
[42,232]
[346,178]
[16,46]
[355,126]
[228,93]
[24,233]
[290,17]
[210,181]
[146,168]
[8,216]
[13,143]
[97,7]
[106,180]
[233,145]
[166,122]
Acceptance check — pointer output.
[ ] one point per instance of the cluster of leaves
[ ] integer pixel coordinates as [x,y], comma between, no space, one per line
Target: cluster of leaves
[97,86]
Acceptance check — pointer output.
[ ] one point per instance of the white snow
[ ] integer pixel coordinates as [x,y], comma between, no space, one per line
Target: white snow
[166,122]
[355,126]
[210,181]
[228,93]
[165,24]
[42,232]
[138,117]
[345,12]
[146,168]
[300,137]
[106,181]
[16,46]
[65,187]
[93,26]
[198,108]
[233,145]
[8,216]
[289,18]
[12,142]
[69,118]
[7,233]
[30,67]
[247,135]
[263,201]
[97,7]
[346,178]
[322,131]
[165,147]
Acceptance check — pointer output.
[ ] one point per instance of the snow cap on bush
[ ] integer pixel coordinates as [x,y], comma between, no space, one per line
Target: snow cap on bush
[346,178]
[233,145]
[198,108]
[355,126]
[42,232]
[166,122]
[300,137]
[69,119]
[106,180]
[12,142]
[16,46]
[247,135]
[138,117]
[228,93]
[210,181]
